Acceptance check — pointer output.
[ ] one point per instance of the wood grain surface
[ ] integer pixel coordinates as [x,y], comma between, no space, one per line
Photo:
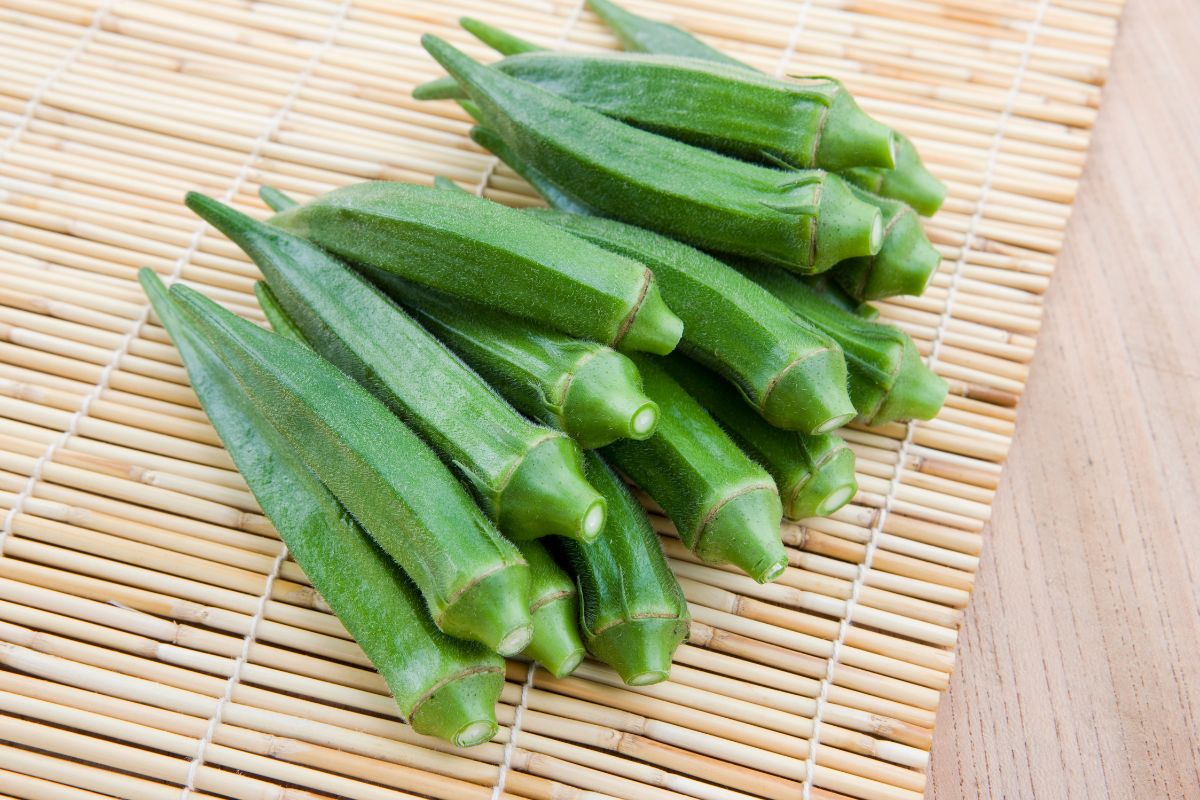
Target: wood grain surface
[1079,667]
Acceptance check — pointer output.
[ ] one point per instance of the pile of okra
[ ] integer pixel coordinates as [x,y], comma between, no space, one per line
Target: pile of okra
[457,399]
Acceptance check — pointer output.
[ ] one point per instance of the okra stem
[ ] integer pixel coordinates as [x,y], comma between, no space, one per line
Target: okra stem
[554,606]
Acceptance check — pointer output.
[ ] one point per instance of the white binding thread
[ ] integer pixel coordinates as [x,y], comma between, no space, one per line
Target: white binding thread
[514,730]
[810,762]
[794,39]
[235,675]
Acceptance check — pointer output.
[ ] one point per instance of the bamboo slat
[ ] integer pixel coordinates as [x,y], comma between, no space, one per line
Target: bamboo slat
[133,559]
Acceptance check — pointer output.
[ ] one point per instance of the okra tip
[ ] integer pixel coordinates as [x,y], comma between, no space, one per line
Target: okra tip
[556,644]
[640,649]
[654,327]
[494,611]
[912,182]
[830,486]
[850,138]
[605,402]
[745,531]
[847,227]
[810,396]
[548,495]
[463,710]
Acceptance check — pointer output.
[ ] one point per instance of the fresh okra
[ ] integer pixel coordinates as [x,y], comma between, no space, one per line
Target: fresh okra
[474,582]
[815,474]
[478,250]
[554,606]
[806,220]
[904,264]
[528,478]
[909,181]
[888,380]
[634,614]
[443,686]
[278,318]
[725,507]
[791,373]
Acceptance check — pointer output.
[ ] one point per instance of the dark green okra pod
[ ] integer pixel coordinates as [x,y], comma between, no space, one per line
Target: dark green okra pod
[554,606]
[804,124]
[280,322]
[815,474]
[904,264]
[528,478]
[443,686]
[909,182]
[828,290]
[634,615]
[463,245]
[474,582]
[725,507]
[888,380]
[805,220]
[792,374]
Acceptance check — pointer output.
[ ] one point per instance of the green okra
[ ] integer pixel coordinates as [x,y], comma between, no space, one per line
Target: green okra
[280,322]
[554,606]
[815,474]
[500,41]
[528,478]
[463,245]
[828,290]
[443,686]
[634,615]
[904,264]
[888,380]
[806,220]
[725,507]
[588,390]
[910,181]
[474,582]
[813,122]
[791,373]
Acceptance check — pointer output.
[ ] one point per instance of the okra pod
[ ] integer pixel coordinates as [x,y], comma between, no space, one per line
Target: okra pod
[527,477]
[888,380]
[588,390]
[554,606]
[634,614]
[463,245]
[806,220]
[278,318]
[909,181]
[828,290]
[443,686]
[725,507]
[791,373]
[815,474]
[813,122]
[474,582]
[904,264]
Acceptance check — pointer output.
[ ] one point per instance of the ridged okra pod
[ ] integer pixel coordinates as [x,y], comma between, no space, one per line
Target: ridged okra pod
[813,122]
[554,606]
[634,614]
[586,389]
[828,290]
[909,181]
[815,474]
[806,220]
[474,582]
[888,380]
[463,245]
[443,686]
[275,313]
[792,374]
[904,264]
[725,507]
[528,478]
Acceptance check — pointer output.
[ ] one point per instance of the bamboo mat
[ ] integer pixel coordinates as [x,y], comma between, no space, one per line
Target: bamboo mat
[157,643]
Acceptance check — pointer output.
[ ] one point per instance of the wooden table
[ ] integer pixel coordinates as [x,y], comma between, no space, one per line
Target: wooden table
[1079,667]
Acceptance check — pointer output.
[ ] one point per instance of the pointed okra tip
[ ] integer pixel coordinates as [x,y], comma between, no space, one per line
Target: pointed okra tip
[502,42]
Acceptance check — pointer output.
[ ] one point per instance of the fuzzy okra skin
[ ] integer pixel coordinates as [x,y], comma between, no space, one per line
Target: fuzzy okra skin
[725,507]
[275,313]
[804,124]
[474,582]
[806,220]
[585,389]
[444,686]
[791,373]
[888,380]
[554,606]
[472,248]
[815,474]
[528,478]
[910,181]
[634,615]
[904,264]
[825,287]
